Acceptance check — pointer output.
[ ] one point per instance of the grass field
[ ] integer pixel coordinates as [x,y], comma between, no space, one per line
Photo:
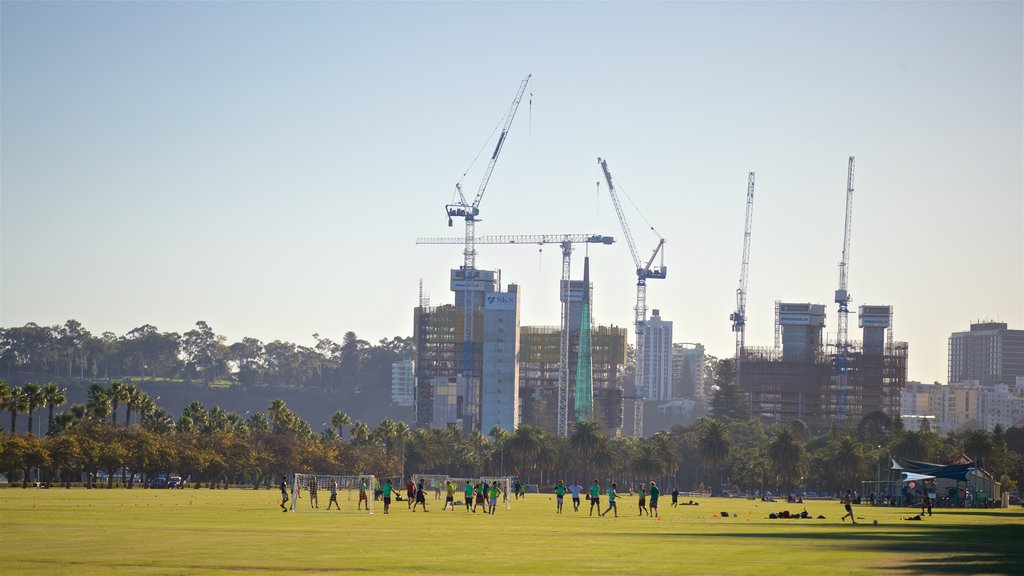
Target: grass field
[79,531]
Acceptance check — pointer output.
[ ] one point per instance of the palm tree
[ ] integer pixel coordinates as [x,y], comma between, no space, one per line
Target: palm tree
[786,453]
[713,441]
[978,444]
[339,420]
[525,446]
[584,440]
[34,398]
[5,395]
[360,432]
[281,416]
[158,421]
[132,397]
[16,402]
[54,397]
[117,393]
[647,461]
[911,444]
[846,459]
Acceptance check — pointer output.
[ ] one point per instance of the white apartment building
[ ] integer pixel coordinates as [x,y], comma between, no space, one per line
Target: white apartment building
[658,357]
[403,383]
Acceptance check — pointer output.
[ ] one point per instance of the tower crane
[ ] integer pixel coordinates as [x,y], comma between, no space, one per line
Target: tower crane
[843,300]
[644,271]
[566,241]
[469,212]
[739,317]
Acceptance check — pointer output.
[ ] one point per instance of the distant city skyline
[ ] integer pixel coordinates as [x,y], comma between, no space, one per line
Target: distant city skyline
[267,167]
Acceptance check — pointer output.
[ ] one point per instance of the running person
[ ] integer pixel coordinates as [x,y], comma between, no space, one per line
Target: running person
[655,492]
[362,495]
[284,493]
[847,502]
[575,490]
[386,493]
[449,500]
[595,497]
[611,500]
[559,495]
[334,495]
[643,502]
[468,492]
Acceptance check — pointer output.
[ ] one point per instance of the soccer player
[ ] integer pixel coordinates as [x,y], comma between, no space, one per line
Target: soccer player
[655,492]
[410,492]
[334,495]
[362,495]
[313,502]
[468,492]
[480,489]
[518,487]
[675,497]
[387,494]
[575,490]
[847,501]
[559,495]
[643,501]
[493,502]
[284,493]
[449,500]
[595,497]
[421,497]
[611,501]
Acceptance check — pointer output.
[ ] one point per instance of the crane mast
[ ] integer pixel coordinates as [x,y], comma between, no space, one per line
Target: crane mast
[843,300]
[566,241]
[469,212]
[643,272]
[739,317]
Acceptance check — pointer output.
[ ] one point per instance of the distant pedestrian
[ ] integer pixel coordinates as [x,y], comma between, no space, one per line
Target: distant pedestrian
[517,487]
[284,493]
[847,502]
[675,497]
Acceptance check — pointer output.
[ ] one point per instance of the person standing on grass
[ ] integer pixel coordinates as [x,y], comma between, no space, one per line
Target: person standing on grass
[517,487]
[493,496]
[575,490]
[284,493]
[449,499]
[468,492]
[480,488]
[421,496]
[410,492]
[611,501]
[559,495]
[362,495]
[655,492]
[643,501]
[595,497]
[386,493]
[675,497]
[334,495]
[847,502]
[313,486]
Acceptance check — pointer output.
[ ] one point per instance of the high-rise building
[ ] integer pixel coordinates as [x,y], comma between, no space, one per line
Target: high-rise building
[475,387]
[951,407]
[688,372]
[403,383]
[988,353]
[658,357]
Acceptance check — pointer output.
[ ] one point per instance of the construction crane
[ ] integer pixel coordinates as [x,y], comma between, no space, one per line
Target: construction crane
[843,300]
[469,212]
[739,317]
[566,241]
[644,271]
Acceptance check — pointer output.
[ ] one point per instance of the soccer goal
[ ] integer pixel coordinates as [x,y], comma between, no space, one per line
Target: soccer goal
[316,491]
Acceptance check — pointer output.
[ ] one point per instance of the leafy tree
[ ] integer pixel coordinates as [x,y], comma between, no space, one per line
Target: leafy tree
[786,454]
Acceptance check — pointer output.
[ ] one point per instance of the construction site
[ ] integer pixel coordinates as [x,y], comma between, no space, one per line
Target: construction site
[476,367]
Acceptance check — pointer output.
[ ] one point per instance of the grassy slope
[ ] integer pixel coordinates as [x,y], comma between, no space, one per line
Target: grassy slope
[231,532]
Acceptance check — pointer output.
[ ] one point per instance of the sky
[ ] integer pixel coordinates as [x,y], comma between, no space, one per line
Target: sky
[267,167]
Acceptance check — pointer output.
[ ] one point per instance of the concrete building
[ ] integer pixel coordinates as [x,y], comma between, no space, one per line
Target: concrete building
[952,406]
[988,353]
[658,358]
[403,383]
[1000,405]
[688,372]
[500,385]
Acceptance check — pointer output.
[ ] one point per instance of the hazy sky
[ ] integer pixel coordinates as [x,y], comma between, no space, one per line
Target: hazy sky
[267,167]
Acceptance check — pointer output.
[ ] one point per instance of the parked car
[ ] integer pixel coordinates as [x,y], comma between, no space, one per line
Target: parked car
[175,482]
[158,483]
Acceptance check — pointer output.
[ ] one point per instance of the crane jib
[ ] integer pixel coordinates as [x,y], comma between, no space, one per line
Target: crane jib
[497,148]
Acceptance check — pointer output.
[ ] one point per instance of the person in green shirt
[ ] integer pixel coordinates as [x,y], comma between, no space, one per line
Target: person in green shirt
[560,495]
[450,497]
[493,495]
[611,501]
[654,499]
[386,493]
[643,501]
[595,497]
[469,496]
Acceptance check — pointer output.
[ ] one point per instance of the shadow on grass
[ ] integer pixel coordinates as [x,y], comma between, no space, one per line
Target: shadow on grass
[942,549]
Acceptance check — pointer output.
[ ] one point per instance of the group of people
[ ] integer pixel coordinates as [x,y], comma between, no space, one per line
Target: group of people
[594,496]
[314,497]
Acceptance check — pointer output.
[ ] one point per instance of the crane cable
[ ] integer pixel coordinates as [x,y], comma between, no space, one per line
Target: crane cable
[501,122]
[618,186]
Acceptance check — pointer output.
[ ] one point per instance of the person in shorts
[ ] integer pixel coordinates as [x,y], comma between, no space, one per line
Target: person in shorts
[675,497]
[480,489]
[410,493]
[449,499]
[559,496]
[611,501]
[847,502]
[467,493]
[363,501]
[334,495]
[313,486]
[421,496]
[595,497]
[284,493]
[655,492]
[575,490]
[517,488]
[387,494]
[493,497]
[643,501]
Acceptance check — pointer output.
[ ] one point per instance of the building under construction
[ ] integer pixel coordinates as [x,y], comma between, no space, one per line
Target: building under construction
[797,380]
[539,356]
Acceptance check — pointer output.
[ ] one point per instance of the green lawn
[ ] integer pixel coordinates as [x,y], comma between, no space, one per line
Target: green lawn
[79,531]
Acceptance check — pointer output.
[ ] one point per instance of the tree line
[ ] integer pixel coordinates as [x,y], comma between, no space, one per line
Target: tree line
[121,431]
